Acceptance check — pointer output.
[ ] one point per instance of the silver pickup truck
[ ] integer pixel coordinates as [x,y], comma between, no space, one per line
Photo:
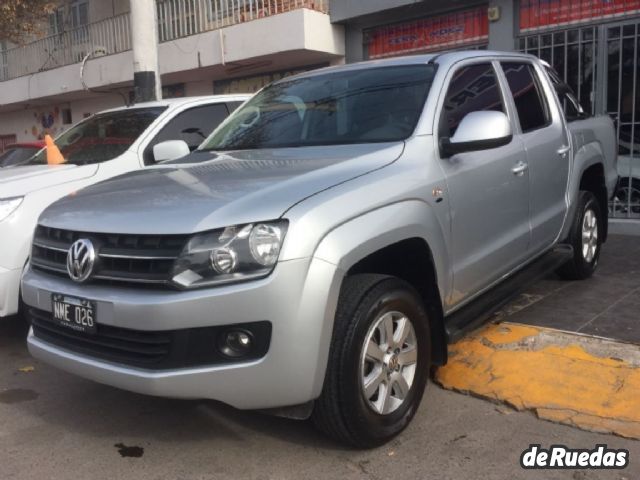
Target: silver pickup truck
[319,250]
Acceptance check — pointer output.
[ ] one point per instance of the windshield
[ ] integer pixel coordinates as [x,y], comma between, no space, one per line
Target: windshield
[379,104]
[16,155]
[102,137]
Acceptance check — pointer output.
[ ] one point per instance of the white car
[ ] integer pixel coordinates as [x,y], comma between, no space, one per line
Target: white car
[102,146]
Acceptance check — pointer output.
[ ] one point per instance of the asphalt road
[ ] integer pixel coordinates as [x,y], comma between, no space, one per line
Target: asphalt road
[56,426]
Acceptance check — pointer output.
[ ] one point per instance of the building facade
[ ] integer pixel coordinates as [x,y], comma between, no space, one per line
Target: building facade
[82,62]
[593,44]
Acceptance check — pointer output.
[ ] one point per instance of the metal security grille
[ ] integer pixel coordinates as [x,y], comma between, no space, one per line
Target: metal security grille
[622,102]
[601,64]
[573,54]
[6,140]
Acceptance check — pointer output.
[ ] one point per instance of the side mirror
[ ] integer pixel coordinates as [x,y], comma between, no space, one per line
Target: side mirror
[170,150]
[478,131]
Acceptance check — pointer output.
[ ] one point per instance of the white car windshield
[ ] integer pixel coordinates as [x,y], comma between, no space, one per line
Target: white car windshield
[102,137]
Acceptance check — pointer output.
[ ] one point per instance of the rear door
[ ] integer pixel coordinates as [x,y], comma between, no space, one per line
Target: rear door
[544,136]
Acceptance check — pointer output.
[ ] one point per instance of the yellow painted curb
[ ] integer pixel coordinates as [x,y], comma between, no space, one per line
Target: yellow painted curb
[558,376]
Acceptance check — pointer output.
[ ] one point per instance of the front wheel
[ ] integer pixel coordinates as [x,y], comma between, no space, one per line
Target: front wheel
[586,239]
[378,364]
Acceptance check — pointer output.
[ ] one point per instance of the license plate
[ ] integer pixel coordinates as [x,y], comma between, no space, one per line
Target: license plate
[75,313]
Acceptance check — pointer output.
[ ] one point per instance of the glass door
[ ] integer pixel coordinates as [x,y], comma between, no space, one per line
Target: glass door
[622,102]
[573,54]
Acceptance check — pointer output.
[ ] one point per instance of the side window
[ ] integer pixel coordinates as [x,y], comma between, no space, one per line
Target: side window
[527,95]
[473,88]
[570,104]
[192,126]
[232,106]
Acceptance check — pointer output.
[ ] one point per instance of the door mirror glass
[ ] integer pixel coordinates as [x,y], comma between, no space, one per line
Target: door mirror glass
[480,130]
[170,150]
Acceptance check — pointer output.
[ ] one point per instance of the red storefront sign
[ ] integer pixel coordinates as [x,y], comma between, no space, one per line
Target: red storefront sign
[536,14]
[453,30]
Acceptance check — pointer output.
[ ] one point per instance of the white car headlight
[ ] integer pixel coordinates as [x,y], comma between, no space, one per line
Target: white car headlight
[230,254]
[8,206]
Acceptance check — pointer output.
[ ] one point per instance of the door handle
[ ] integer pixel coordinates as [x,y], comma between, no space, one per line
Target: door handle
[520,168]
[563,150]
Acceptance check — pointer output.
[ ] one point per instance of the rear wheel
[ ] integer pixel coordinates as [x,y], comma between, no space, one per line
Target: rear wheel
[586,239]
[378,363]
[626,199]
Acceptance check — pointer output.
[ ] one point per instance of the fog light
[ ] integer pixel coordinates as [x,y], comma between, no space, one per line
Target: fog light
[236,343]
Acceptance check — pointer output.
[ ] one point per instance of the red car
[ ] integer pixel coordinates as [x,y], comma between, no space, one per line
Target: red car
[18,153]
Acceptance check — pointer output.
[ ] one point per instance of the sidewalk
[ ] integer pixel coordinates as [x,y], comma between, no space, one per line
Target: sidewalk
[568,351]
[606,305]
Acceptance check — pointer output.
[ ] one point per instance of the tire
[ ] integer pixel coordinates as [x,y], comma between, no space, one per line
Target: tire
[343,412]
[624,190]
[584,261]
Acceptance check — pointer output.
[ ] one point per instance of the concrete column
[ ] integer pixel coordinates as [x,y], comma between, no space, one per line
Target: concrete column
[502,32]
[144,39]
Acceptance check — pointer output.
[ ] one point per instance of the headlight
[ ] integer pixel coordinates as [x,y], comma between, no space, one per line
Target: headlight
[229,255]
[8,206]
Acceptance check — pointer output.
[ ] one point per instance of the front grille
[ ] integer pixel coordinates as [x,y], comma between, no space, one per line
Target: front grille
[121,345]
[150,350]
[129,259]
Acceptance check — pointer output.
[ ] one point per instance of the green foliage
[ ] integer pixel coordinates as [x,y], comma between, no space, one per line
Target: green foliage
[21,19]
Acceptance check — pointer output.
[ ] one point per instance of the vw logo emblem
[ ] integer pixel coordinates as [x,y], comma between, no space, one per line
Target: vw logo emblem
[80,259]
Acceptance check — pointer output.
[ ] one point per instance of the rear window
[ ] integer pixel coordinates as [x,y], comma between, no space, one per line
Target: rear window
[527,95]
[102,137]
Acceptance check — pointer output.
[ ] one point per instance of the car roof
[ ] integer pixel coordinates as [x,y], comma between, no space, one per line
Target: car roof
[180,102]
[440,58]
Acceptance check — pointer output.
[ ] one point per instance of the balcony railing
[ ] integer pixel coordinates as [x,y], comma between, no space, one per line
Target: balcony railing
[176,19]
[109,36]
[181,18]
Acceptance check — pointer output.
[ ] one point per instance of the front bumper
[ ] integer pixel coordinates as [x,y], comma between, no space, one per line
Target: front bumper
[299,300]
[9,291]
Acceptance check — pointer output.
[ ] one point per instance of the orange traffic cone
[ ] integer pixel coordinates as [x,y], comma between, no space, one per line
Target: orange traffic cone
[54,157]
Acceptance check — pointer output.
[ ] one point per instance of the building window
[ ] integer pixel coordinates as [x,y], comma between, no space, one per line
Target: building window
[79,20]
[66,116]
[176,90]
[4,67]
[56,21]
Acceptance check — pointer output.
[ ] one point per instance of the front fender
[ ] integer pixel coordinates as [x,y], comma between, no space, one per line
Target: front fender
[357,238]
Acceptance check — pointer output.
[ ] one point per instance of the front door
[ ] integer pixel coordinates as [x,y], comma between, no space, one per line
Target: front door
[489,195]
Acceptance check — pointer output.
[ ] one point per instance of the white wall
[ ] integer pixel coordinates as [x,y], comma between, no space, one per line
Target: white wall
[27,124]
[276,36]
[202,87]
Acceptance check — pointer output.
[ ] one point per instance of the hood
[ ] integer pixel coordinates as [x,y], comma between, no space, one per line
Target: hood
[219,190]
[22,180]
